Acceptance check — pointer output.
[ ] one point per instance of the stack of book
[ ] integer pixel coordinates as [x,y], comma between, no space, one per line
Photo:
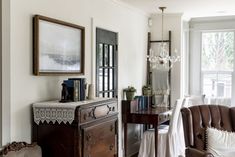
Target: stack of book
[141,103]
[76,88]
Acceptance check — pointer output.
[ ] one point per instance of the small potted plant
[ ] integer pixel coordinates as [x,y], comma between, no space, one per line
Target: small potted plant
[147,90]
[130,92]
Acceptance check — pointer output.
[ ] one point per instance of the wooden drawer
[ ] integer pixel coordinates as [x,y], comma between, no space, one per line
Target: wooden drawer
[100,140]
[91,113]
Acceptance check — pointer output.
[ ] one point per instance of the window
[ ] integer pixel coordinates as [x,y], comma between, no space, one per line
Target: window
[217,61]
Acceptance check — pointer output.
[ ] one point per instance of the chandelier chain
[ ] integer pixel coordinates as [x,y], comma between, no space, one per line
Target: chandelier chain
[162,60]
[162,23]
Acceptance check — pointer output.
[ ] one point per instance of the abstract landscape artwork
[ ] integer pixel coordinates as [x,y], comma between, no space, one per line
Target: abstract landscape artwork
[58,47]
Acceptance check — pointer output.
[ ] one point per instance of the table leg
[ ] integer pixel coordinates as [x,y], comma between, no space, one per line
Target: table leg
[125,139]
[156,139]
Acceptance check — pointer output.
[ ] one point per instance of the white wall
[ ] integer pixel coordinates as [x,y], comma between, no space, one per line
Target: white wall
[1,74]
[172,22]
[5,72]
[26,89]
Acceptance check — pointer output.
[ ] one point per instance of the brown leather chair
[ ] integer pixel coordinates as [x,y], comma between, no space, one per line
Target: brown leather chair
[21,149]
[195,121]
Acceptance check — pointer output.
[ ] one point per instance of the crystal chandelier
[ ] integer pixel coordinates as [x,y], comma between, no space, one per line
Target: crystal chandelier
[162,60]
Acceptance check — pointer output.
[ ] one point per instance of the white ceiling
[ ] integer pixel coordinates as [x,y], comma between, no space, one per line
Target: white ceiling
[190,8]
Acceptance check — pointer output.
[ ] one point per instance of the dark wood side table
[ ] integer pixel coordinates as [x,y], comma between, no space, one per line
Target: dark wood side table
[151,116]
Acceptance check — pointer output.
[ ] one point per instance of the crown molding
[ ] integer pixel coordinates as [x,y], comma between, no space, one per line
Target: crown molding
[167,15]
[129,7]
[212,19]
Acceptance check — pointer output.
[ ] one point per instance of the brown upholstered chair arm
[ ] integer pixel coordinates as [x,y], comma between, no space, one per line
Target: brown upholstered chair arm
[191,152]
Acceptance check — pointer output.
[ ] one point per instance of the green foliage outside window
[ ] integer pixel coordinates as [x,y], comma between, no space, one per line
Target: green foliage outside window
[217,51]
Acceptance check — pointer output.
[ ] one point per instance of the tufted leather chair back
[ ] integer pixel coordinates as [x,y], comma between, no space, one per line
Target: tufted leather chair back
[197,118]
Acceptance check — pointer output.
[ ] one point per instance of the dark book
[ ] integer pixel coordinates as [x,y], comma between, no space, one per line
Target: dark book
[82,87]
[146,102]
[143,102]
[70,87]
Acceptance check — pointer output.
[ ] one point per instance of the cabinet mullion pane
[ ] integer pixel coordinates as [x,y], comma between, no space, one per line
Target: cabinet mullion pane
[108,68]
[100,75]
[103,68]
[111,55]
[100,55]
[111,78]
[112,70]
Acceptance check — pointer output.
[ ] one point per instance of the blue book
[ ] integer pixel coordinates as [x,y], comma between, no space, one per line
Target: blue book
[146,102]
[142,102]
[137,103]
[69,83]
[70,87]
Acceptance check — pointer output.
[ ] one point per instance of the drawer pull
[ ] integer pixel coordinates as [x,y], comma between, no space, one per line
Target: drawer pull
[85,116]
[90,113]
[110,108]
[88,137]
[111,147]
[111,128]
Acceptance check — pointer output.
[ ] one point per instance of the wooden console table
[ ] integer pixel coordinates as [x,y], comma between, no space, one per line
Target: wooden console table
[153,116]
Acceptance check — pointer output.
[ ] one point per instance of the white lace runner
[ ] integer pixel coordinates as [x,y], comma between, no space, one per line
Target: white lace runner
[53,111]
[53,115]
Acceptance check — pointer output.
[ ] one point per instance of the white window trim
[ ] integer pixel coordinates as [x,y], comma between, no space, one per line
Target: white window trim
[185,60]
[214,31]
[233,78]
[197,26]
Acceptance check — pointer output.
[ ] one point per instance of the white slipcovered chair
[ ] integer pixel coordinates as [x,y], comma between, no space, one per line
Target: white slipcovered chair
[170,140]
[191,100]
[160,87]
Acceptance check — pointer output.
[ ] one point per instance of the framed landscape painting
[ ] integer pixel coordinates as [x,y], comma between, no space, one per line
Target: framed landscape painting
[58,47]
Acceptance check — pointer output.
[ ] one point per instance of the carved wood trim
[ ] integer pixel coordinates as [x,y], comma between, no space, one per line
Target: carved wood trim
[15,146]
